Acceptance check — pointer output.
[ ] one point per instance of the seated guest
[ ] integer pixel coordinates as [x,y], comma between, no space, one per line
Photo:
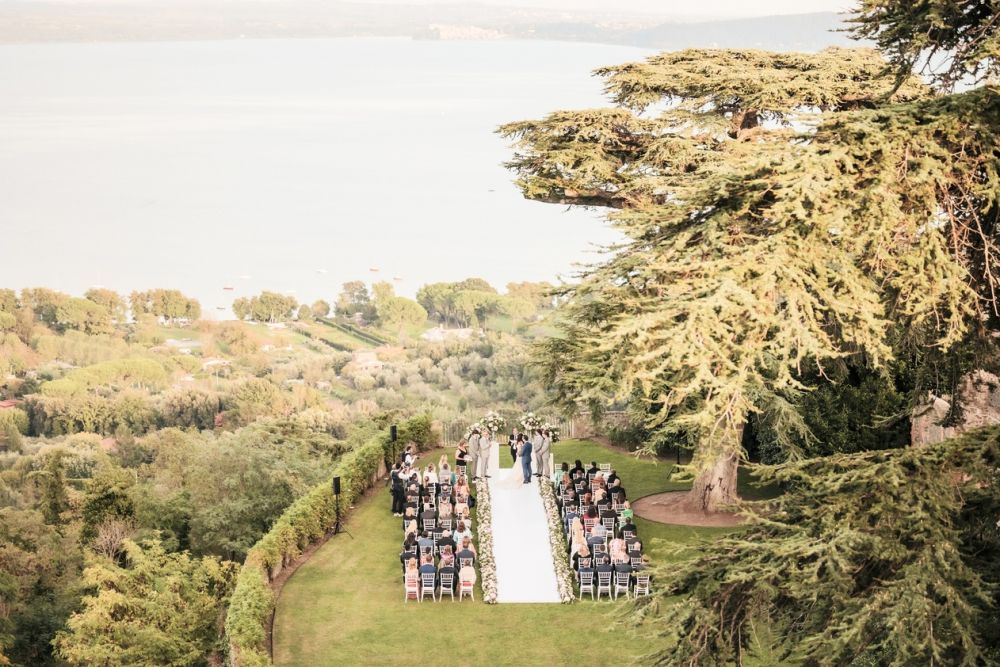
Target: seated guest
[467,574]
[427,565]
[467,544]
[571,515]
[557,475]
[592,513]
[445,509]
[599,481]
[430,475]
[618,490]
[599,530]
[582,553]
[412,568]
[445,475]
[446,541]
[603,565]
[466,551]
[629,527]
[410,543]
[601,500]
[462,508]
[607,513]
[627,512]
[424,542]
[622,566]
[577,467]
[593,469]
[411,527]
[617,550]
[428,514]
[612,476]
[461,532]
[462,487]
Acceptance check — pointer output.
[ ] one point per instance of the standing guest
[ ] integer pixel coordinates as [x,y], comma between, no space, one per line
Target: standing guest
[431,475]
[462,456]
[525,456]
[396,489]
[409,455]
[536,449]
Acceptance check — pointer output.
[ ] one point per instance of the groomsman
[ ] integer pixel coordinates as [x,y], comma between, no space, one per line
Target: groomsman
[473,469]
[544,468]
[536,448]
[485,443]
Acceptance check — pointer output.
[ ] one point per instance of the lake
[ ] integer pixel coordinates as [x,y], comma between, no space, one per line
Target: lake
[290,165]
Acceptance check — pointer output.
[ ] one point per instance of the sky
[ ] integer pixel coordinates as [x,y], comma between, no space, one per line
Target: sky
[681,9]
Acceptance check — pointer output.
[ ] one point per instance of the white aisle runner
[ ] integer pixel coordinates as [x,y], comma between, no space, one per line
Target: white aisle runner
[521,541]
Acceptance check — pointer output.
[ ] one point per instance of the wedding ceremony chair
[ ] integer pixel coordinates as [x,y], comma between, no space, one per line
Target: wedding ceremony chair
[587,584]
[604,584]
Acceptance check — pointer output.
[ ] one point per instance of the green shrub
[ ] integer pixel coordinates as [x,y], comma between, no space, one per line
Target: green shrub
[305,522]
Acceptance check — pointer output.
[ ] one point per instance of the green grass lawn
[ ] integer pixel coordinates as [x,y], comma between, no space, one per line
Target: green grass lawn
[345,605]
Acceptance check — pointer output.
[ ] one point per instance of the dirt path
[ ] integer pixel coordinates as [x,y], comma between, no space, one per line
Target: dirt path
[667,508]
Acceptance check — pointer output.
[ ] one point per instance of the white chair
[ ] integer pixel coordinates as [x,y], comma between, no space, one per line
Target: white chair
[464,562]
[621,583]
[448,585]
[411,588]
[605,468]
[642,587]
[427,585]
[609,523]
[466,587]
[636,561]
[445,524]
[604,584]
[430,524]
[587,584]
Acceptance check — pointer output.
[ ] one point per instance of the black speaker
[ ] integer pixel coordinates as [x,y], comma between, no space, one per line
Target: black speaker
[392,433]
[336,486]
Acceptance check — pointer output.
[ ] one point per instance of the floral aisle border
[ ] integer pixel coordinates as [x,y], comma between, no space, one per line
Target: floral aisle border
[487,564]
[557,542]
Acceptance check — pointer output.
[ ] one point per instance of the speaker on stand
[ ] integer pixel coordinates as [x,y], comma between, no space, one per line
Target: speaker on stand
[337,528]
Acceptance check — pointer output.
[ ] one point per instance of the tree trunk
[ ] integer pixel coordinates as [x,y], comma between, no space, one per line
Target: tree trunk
[715,485]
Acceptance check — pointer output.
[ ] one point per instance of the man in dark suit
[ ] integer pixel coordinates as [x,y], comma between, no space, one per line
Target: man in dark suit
[629,527]
[427,515]
[396,488]
[446,541]
[464,553]
[427,567]
[424,542]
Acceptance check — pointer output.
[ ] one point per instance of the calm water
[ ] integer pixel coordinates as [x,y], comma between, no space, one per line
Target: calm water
[281,164]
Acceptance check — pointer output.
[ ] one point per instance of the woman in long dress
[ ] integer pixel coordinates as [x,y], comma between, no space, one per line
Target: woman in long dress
[515,477]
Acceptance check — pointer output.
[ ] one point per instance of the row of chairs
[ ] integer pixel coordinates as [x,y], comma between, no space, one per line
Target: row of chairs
[613,583]
[417,587]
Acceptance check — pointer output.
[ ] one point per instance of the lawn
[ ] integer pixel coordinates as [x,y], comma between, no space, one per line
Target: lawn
[345,605]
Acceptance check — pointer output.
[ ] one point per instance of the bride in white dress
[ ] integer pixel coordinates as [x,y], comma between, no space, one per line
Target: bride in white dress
[515,476]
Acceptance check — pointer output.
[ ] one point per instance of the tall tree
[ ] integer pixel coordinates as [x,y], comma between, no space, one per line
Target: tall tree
[724,287]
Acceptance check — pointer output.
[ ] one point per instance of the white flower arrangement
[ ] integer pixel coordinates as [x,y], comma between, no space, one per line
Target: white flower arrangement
[529,421]
[557,542]
[552,429]
[473,427]
[493,422]
[487,563]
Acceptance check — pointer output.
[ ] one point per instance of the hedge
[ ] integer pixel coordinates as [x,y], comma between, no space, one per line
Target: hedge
[305,522]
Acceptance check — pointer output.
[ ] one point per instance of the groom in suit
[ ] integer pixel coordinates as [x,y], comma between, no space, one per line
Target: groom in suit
[526,461]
